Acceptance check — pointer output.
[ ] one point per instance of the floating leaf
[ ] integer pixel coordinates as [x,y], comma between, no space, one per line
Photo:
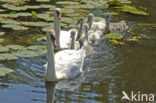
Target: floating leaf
[25,7]
[1,10]
[1,40]
[27,53]
[112,13]
[42,0]
[115,3]
[42,38]
[9,21]
[15,47]
[15,15]
[67,3]
[46,17]
[39,24]
[7,56]
[133,10]
[133,39]
[47,28]
[3,49]
[2,33]
[14,26]
[115,42]
[4,71]
[114,36]
[37,47]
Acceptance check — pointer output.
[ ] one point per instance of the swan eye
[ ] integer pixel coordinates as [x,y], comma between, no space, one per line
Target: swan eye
[58,12]
[52,37]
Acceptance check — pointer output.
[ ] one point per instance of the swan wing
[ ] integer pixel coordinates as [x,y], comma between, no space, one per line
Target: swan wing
[99,25]
[68,63]
[64,39]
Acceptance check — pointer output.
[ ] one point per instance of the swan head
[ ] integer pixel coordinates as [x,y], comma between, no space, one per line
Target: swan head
[72,33]
[90,17]
[79,21]
[51,37]
[107,17]
[58,13]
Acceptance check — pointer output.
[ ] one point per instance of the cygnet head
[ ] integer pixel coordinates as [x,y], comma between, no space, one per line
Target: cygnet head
[90,17]
[57,11]
[79,21]
[107,17]
[51,37]
[72,33]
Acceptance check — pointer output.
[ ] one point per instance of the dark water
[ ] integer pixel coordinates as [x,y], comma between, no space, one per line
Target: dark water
[111,70]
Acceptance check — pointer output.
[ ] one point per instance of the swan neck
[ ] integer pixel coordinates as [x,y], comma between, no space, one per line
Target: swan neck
[81,29]
[107,25]
[72,44]
[90,23]
[50,73]
[86,34]
[57,29]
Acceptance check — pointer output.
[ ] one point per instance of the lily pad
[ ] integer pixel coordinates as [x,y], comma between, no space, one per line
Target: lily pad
[7,56]
[15,47]
[46,17]
[1,40]
[114,36]
[19,8]
[112,13]
[3,49]
[42,38]
[67,3]
[4,71]
[115,3]
[15,15]
[26,53]
[68,20]
[42,0]
[9,21]
[48,28]
[14,26]
[2,33]
[1,10]
[115,42]
[133,39]
[37,47]
[39,24]
[133,10]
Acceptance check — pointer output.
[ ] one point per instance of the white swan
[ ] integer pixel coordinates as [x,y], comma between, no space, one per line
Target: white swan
[62,37]
[114,27]
[64,64]
[101,25]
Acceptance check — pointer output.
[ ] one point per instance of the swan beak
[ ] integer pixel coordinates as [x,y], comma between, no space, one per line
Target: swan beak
[88,20]
[78,22]
[53,42]
[59,16]
[71,36]
[78,37]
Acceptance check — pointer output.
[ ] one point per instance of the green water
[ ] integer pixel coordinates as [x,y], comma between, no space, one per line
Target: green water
[129,67]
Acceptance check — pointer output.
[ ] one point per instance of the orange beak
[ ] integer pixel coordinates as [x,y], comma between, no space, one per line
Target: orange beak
[53,42]
[59,16]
